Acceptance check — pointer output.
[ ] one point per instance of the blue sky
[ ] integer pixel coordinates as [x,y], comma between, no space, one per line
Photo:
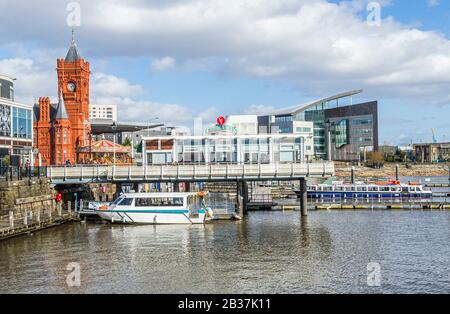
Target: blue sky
[201,58]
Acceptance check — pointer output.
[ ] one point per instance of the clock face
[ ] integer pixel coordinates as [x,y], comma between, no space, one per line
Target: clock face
[71,86]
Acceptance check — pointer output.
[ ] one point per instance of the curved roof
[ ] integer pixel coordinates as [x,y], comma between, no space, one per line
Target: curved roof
[300,108]
[7,78]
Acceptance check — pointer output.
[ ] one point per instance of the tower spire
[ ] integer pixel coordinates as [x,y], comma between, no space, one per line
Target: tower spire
[72,54]
[61,112]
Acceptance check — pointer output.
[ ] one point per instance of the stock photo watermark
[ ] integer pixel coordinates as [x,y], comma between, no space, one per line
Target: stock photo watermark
[73,278]
[374,16]
[74,16]
[374,275]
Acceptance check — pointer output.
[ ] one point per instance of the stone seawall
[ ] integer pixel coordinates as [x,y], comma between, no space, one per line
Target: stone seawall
[30,194]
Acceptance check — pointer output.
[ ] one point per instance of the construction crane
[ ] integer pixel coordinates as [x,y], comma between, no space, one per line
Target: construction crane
[434,136]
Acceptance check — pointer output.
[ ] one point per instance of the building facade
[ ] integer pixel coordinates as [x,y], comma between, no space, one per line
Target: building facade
[108,112]
[431,152]
[352,131]
[334,127]
[238,149]
[16,126]
[61,128]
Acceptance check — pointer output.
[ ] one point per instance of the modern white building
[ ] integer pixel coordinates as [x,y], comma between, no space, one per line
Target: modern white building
[108,112]
[243,124]
[306,130]
[229,149]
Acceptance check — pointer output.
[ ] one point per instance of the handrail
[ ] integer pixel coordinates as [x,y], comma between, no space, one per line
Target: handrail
[188,172]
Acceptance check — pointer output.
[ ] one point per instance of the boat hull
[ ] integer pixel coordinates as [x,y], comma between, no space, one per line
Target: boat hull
[152,217]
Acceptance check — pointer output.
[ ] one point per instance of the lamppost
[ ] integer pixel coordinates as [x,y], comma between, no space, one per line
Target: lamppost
[114,128]
[148,124]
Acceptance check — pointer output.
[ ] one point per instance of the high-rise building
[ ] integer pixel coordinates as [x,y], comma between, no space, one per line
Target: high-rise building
[62,127]
[106,112]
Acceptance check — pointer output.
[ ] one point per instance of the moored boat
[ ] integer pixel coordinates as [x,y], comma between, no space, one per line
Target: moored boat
[389,189]
[158,208]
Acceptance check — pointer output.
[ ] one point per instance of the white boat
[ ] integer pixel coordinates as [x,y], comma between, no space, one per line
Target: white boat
[157,208]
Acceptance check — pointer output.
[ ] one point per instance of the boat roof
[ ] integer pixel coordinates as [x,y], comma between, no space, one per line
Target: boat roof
[167,194]
[371,184]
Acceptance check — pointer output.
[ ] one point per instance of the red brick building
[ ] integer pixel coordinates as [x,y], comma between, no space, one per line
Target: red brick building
[59,129]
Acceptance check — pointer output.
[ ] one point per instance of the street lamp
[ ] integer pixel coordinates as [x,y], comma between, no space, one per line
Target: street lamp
[148,129]
[114,128]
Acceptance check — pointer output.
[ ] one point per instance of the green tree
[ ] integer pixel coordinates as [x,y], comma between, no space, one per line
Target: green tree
[127,142]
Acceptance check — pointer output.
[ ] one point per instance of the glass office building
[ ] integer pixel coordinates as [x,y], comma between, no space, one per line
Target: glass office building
[342,131]
[16,126]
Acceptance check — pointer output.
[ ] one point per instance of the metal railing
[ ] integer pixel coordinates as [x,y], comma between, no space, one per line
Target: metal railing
[14,173]
[97,173]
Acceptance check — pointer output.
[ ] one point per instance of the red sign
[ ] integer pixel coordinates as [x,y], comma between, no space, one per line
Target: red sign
[220,120]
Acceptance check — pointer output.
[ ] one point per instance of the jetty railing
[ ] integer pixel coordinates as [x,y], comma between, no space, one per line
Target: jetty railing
[17,222]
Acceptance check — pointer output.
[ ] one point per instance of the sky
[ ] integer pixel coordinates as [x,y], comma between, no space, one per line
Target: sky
[177,60]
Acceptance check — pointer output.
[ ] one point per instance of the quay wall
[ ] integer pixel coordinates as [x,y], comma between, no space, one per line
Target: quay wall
[30,194]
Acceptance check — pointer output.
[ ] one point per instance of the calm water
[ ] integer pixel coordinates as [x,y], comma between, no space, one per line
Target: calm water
[268,252]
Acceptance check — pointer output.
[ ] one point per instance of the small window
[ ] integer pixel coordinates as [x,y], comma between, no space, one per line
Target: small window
[126,202]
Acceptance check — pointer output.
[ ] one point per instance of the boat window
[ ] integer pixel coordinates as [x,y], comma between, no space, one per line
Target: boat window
[373,188]
[328,188]
[312,188]
[159,201]
[361,189]
[117,201]
[384,189]
[319,188]
[395,189]
[418,189]
[126,201]
[405,189]
[339,189]
[348,188]
[411,189]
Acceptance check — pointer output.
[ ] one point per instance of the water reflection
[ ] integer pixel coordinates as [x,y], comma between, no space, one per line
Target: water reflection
[268,252]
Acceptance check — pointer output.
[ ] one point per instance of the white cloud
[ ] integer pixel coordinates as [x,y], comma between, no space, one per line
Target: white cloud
[259,110]
[318,46]
[31,78]
[163,64]
[322,47]
[433,3]
[104,85]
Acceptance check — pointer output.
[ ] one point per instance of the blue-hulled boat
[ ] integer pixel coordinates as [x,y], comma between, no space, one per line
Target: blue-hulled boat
[390,189]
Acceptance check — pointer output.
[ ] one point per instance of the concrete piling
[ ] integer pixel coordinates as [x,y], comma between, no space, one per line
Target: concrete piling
[304,197]
[11,219]
[353,175]
[397,172]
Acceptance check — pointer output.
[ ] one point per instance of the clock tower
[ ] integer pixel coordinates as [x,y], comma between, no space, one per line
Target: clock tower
[73,81]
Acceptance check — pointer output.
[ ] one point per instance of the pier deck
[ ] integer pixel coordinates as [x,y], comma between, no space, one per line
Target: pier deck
[18,224]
